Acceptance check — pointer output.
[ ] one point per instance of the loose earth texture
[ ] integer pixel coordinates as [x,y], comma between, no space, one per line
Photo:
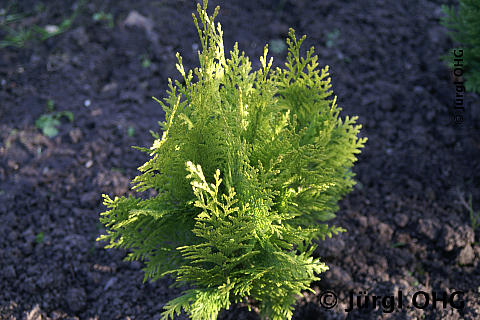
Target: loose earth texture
[407,219]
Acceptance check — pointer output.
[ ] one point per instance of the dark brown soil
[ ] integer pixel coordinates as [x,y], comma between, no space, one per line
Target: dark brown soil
[407,228]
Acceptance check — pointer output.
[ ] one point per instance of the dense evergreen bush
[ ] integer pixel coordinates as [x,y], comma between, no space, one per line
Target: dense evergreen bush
[249,167]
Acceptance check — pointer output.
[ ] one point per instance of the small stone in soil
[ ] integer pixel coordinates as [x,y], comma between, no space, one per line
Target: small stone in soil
[426,227]
[385,232]
[110,283]
[466,256]
[75,135]
[362,221]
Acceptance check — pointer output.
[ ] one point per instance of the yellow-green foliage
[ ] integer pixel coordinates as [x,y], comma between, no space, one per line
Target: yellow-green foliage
[249,167]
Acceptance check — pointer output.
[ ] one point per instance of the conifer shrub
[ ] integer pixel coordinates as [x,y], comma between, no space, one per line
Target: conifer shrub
[249,167]
[464,28]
